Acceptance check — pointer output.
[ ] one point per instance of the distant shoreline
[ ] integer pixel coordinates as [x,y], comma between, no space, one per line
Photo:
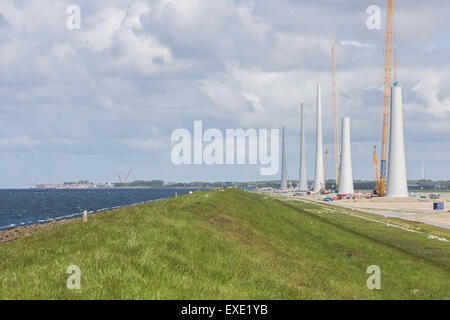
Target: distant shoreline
[108,188]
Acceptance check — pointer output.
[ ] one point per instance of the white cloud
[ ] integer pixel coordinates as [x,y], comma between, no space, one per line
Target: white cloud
[142,68]
[13,15]
[252,24]
[138,8]
[114,30]
[186,9]
[105,25]
[355,44]
[254,100]
[224,94]
[429,89]
[63,50]
[147,144]
[64,141]
[143,54]
[22,141]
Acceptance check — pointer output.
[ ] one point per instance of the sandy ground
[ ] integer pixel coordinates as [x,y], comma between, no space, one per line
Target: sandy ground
[439,218]
[407,208]
[415,208]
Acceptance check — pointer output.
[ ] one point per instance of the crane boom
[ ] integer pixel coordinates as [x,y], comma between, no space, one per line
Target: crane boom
[376,165]
[128,175]
[335,116]
[382,177]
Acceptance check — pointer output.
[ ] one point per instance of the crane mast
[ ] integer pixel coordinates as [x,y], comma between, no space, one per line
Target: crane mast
[335,116]
[382,166]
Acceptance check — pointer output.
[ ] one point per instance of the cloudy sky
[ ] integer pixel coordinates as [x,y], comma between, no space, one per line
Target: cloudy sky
[94,102]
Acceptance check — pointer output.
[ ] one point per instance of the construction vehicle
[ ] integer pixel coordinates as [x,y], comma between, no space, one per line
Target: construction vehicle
[381,167]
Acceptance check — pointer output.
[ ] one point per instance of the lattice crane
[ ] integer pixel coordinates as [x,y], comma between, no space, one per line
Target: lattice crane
[381,167]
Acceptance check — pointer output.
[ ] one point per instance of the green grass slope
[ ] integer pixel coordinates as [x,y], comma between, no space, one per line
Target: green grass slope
[224,245]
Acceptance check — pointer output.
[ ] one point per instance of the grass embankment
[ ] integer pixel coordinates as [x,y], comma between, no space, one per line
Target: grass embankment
[225,245]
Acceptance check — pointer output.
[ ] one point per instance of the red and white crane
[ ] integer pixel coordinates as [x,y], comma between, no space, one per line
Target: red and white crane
[126,178]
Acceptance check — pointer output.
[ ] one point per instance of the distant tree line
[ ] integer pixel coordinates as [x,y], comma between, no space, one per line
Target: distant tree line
[330,184]
[141,183]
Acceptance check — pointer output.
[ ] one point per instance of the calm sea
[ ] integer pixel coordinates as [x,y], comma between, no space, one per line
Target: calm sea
[25,207]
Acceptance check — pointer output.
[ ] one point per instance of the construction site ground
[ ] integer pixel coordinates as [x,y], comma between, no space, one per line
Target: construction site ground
[411,208]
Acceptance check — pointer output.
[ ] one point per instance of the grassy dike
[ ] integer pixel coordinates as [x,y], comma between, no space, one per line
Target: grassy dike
[225,245]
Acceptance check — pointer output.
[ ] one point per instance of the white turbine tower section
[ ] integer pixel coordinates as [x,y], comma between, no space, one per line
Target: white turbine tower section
[319,178]
[397,185]
[283,160]
[302,181]
[423,172]
[345,174]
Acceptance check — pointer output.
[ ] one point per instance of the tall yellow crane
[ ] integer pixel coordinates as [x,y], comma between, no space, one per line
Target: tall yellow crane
[381,168]
[335,116]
